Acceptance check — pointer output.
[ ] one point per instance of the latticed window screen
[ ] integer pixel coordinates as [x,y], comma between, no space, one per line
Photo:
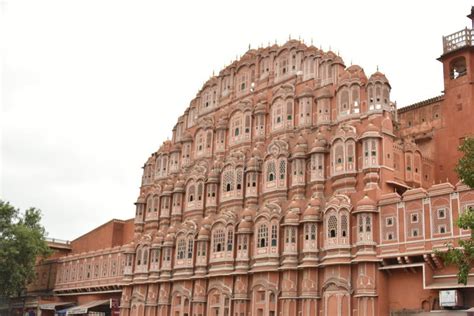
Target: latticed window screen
[344,225]
[190,248]
[282,169]
[230,239]
[332,226]
[218,240]
[239,177]
[228,181]
[313,231]
[293,235]
[262,236]
[274,235]
[199,191]
[181,248]
[191,193]
[271,171]
[368,224]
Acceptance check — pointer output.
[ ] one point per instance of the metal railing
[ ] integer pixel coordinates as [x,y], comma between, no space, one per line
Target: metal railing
[458,40]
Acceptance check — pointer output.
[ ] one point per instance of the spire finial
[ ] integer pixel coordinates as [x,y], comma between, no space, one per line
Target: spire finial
[377,67]
[289,37]
[249,46]
[471,16]
[311,41]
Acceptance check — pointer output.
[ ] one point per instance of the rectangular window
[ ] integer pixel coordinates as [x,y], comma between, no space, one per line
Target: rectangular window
[441,213]
[389,221]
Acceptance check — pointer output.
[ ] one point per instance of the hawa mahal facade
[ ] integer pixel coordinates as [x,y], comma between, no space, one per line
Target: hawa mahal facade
[293,185]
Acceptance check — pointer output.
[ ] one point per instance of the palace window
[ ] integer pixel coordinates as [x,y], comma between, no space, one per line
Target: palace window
[218,239]
[230,238]
[262,236]
[181,248]
[274,235]
[332,226]
[190,248]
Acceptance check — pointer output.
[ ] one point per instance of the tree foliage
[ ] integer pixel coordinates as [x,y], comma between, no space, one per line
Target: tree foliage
[22,242]
[463,256]
[465,166]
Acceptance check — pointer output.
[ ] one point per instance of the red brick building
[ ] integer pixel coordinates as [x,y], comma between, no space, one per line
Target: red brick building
[293,186]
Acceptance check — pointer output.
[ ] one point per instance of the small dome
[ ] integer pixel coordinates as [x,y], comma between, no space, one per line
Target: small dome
[378,76]
[366,204]
[306,92]
[141,200]
[206,221]
[203,233]
[371,128]
[319,144]
[187,137]
[260,108]
[169,238]
[366,201]
[311,213]
[245,226]
[291,217]
[179,186]
[248,213]
[171,230]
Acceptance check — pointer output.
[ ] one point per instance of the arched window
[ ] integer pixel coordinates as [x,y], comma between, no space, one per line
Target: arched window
[282,169]
[350,153]
[344,101]
[274,235]
[145,256]
[139,257]
[190,247]
[218,239]
[230,239]
[344,224]
[277,116]
[200,143]
[180,248]
[270,171]
[191,192]
[149,204]
[332,226]
[262,236]
[458,68]
[338,153]
[355,99]
[228,180]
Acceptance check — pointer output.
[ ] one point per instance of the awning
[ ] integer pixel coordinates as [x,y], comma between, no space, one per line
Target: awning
[52,306]
[83,309]
[398,184]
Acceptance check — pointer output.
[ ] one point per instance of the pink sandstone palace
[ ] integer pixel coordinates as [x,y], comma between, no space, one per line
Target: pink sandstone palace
[292,185]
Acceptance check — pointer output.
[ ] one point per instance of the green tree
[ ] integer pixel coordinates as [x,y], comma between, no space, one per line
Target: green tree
[463,256]
[22,242]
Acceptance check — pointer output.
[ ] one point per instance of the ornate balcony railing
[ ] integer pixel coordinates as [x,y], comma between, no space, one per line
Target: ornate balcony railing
[458,40]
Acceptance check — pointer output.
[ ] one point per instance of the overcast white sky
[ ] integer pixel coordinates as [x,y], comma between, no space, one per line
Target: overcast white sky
[90,88]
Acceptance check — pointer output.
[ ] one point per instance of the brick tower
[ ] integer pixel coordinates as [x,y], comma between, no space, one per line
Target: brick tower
[458,71]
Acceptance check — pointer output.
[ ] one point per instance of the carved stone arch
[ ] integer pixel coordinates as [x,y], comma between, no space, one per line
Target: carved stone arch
[220,287]
[199,170]
[180,290]
[337,202]
[267,285]
[283,92]
[337,284]
[236,158]
[277,148]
